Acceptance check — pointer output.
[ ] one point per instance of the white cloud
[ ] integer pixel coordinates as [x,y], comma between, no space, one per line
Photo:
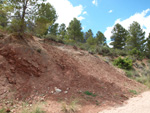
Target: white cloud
[142,18]
[110,11]
[66,11]
[83,28]
[84,12]
[95,2]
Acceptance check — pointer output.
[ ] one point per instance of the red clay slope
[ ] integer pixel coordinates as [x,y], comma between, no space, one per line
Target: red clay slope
[29,69]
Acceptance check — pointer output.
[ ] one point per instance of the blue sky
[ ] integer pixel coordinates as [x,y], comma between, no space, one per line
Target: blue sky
[102,15]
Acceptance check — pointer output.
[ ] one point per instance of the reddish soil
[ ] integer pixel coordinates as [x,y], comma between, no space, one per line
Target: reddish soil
[31,68]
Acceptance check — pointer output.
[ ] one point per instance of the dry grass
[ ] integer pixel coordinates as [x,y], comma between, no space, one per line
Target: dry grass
[72,107]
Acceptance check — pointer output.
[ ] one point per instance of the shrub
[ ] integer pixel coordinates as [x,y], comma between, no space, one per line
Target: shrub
[124,63]
[135,52]
[53,38]
[69,42]
[133,58]
[129,74]
[144,80]
[83,46]
[120,52]
[38,35]
[104,51]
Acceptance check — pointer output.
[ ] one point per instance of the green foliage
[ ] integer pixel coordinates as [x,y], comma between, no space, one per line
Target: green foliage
[53,29]
[118,37]
[120,52]
[38,110]
[124,63]
[83,46]
[3,18]
[148,47]
[91,41]
[33,110]
[90,94]
[53,38]
[133,92]
[70,42]
[104,51]
[3,14]
[88,34]
[92,51]
[74,30]
[23,10]
[100,39]
[144,80]
[3,110]
[135,51]
[128,74]
[32,16]
[14,26]
[46,17]
[132,73]
[133,58]
[136,37]
[62,31]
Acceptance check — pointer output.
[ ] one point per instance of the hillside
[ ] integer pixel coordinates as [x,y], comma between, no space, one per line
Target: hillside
[34,70]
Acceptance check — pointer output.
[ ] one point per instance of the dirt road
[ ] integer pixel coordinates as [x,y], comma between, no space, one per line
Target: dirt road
[139,104]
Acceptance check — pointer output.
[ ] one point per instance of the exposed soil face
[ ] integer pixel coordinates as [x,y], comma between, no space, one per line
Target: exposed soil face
[31,69]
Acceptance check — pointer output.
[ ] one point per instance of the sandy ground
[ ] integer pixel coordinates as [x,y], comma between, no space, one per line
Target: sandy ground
[139,104]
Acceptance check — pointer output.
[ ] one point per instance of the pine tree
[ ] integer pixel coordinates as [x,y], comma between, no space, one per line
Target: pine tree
[62,31]
[136,38]
[88,34]
[118,37]
[74,30]
[100,39]
[46,16]
[54,29]
[91,41]
[30,11]
[3,14]
[148,46]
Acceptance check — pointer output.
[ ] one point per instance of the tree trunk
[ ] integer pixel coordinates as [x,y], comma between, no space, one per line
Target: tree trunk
[22,26]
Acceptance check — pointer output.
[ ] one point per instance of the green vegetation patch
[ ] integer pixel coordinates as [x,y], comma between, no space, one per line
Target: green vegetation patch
[124,63]
[3,110]
[90,94]
[133,92]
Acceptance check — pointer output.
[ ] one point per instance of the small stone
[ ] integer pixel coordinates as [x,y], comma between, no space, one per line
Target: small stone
[42,99]
[57,90]
[65,92]
[52,92]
